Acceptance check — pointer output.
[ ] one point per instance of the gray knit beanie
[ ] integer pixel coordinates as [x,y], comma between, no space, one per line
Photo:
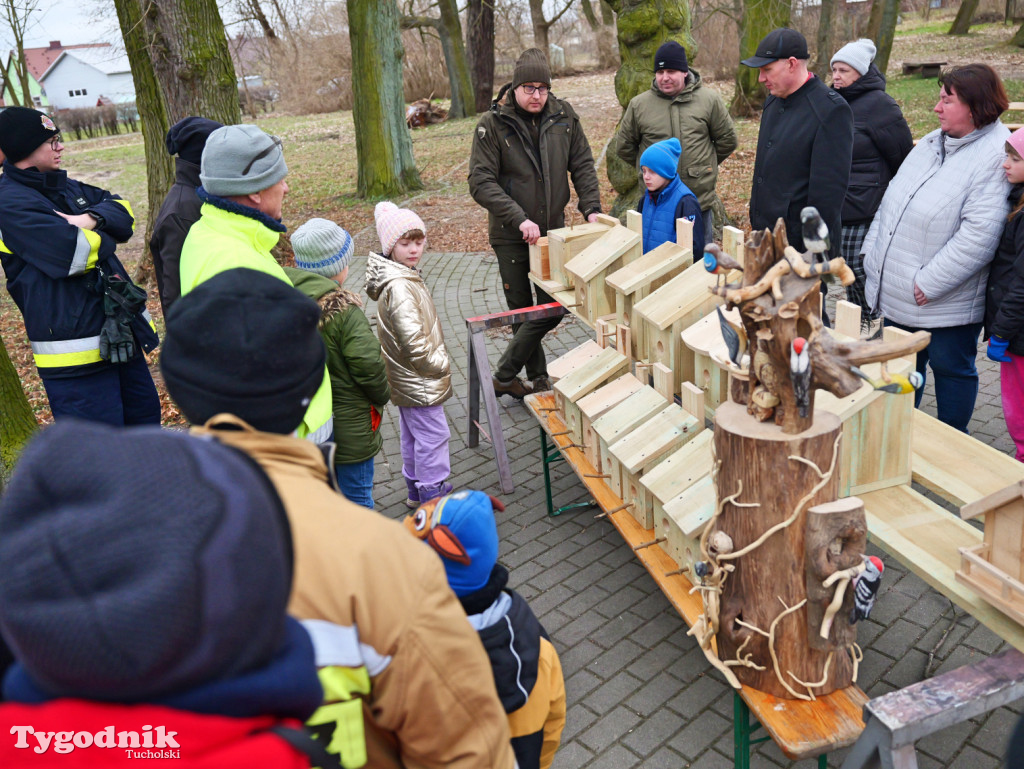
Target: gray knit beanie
[859,54]
[170,572]
[531,67]
[241,160]
[322,247]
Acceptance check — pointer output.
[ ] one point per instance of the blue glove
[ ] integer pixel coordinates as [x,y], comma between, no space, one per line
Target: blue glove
[997,349]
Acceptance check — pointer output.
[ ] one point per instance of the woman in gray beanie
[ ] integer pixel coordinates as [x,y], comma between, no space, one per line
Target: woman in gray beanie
[881,140]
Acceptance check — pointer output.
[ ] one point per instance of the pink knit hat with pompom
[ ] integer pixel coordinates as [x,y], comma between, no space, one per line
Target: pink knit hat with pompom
[393,222]
[1016,141]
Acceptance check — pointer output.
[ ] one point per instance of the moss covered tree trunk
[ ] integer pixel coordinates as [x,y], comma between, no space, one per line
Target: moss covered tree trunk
[463,98]
[480,50]
[17,422]
[759,18]
[882,29]
[383,144]
[181,66]
[642,25]
[824,40]
[1018,37]
[962,23]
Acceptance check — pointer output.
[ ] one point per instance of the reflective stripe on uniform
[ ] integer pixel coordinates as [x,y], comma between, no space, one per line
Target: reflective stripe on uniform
[148,318]
[318,422]
[322,434]
[339,645]
[87,251]
[126,204]
[4,249]
[67,352]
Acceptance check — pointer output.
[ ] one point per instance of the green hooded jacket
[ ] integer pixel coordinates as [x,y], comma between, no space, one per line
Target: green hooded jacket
[359,383]
[696,116]
[515,183]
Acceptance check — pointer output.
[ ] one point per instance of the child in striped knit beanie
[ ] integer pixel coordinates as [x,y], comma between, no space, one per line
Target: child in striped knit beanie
[359,382]
[414,352]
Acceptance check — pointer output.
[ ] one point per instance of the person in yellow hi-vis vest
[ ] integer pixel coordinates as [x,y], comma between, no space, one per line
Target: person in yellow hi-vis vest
[407,683]
[243,187]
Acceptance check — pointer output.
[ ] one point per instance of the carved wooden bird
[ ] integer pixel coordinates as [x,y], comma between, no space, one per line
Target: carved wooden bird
[815,232]
[897,384]
[717,262]
[735,338]
[800,373]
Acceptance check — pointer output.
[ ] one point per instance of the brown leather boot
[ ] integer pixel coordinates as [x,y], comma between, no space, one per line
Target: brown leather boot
[517,388]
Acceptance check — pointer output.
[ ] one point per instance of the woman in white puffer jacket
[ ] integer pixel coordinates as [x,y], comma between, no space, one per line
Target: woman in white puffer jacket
[927,253]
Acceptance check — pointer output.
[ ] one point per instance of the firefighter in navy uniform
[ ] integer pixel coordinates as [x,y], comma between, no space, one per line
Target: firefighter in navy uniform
[86,321]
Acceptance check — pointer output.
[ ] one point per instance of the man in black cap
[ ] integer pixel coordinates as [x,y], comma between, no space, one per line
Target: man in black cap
[805,144]
[677,105]
[524,150]
[86,321]
[180,209]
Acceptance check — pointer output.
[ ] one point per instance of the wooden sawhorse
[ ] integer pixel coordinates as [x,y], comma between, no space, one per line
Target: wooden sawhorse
[479,370]
[896,720]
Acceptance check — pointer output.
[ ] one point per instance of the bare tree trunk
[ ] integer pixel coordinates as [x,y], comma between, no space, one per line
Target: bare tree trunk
[181,66]
[254,7]
[480,50]
[759,18]
[642,25]
[450,30]
[17,422]
[542,25]
[606,57]
[1018,37]
[821,62]
[383,144]
[17,18]
[885,31]
[964,16]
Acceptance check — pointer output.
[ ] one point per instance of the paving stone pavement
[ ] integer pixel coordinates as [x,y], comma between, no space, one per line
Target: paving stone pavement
[640,693]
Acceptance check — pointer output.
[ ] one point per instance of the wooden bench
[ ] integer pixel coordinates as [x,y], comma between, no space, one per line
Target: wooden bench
[801,729]
[923,68]
[957,467]
[897,719]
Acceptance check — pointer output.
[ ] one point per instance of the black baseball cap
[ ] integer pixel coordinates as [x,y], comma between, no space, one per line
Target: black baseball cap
[781,43]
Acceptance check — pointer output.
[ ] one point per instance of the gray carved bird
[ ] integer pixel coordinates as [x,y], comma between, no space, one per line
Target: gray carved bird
[815,232]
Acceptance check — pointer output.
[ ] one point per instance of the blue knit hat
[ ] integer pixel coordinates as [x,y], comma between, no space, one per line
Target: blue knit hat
[663,157]
[461,528]
[322,247]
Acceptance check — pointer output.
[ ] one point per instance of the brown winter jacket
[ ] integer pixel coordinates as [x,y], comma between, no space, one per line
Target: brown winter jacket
[398,660]
[696,116]
[411,338]
[506,177]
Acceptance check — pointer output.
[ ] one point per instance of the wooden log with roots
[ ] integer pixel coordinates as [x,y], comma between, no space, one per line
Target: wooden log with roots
[779,300]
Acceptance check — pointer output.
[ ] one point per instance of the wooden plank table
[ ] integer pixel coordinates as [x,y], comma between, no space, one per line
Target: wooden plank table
[801,729]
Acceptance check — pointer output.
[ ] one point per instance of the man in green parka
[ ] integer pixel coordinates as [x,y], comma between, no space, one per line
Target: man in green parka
[524,150]
[678,105]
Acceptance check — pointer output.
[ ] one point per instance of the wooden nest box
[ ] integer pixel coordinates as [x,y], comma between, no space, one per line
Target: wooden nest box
[995,568]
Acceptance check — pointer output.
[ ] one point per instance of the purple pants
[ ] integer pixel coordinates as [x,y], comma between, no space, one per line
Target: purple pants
[1011,382]
[425,437]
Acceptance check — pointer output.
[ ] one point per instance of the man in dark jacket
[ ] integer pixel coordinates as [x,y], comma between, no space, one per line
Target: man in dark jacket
[180,209]
[805,143]
[86,321]
[522,152]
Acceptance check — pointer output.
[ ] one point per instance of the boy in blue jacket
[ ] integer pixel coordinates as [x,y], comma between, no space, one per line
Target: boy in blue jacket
[667,198]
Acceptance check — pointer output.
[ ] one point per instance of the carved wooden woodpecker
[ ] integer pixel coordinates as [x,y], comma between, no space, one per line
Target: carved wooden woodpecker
[865,588]
[800,373]
[814,232]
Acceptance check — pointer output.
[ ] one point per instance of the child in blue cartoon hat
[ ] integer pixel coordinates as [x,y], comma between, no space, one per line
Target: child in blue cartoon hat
[667,198]
[527,671]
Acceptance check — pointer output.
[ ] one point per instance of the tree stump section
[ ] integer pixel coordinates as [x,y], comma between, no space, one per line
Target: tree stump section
[764,602]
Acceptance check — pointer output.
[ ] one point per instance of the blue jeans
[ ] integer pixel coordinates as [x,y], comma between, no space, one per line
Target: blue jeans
[118,394]
[356,482]
[952,353]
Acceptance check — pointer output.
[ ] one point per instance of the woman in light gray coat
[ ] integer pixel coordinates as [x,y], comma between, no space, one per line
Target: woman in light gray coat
[927,253]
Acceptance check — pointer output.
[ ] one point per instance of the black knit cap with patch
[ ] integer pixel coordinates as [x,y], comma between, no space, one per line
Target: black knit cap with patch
[22,130]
